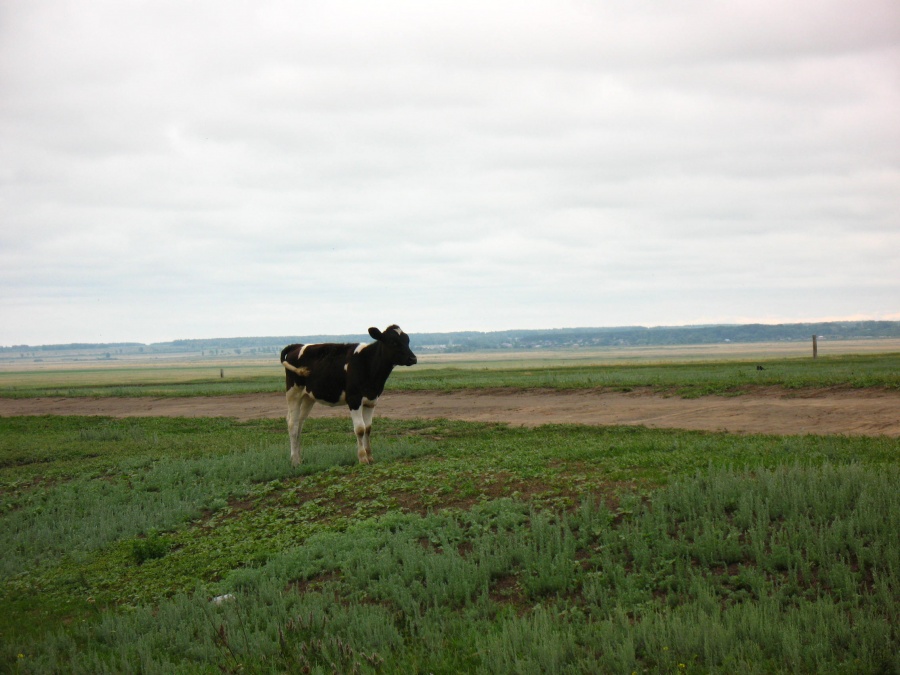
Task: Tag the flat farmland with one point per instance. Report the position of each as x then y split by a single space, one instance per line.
648 514
834 394
683 370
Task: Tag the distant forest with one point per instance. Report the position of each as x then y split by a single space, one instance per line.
507 340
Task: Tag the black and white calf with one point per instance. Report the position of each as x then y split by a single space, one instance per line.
337 374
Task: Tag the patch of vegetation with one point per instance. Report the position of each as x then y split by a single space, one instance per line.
192 546
149 547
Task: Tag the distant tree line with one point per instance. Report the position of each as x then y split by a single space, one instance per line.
75 346
639 336
558 338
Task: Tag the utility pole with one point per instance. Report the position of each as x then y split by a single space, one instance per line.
815 348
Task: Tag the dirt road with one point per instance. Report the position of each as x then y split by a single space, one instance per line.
775 411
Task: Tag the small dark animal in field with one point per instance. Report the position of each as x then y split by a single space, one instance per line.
760 368
338 374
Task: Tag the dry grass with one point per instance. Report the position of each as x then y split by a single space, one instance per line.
659 354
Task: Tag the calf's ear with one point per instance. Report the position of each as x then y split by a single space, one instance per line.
375 333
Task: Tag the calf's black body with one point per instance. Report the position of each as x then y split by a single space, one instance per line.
336 374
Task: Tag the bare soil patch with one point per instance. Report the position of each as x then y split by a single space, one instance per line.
769 411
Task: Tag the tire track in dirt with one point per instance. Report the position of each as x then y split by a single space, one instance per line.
770 411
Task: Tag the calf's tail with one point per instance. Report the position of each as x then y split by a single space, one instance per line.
287 350
298 370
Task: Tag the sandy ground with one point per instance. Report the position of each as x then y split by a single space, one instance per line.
770 411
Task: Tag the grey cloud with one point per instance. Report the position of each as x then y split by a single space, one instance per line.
557 163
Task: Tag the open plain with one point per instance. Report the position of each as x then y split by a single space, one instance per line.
535 515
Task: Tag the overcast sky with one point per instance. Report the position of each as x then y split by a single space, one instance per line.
220 169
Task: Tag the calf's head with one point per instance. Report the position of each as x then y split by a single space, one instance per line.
396 342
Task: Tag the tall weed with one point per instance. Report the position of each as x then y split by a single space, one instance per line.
785 569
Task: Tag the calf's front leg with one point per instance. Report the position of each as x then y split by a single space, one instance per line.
368 411
363 447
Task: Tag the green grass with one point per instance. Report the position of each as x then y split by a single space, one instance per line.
685 379
695 378
465 548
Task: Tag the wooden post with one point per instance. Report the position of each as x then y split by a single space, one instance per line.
222 372
815 348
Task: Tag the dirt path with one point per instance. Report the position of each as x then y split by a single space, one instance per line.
861 412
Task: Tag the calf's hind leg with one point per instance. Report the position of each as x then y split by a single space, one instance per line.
298 410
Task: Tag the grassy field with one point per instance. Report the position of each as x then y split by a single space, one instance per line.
685 378
160 545
191 546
